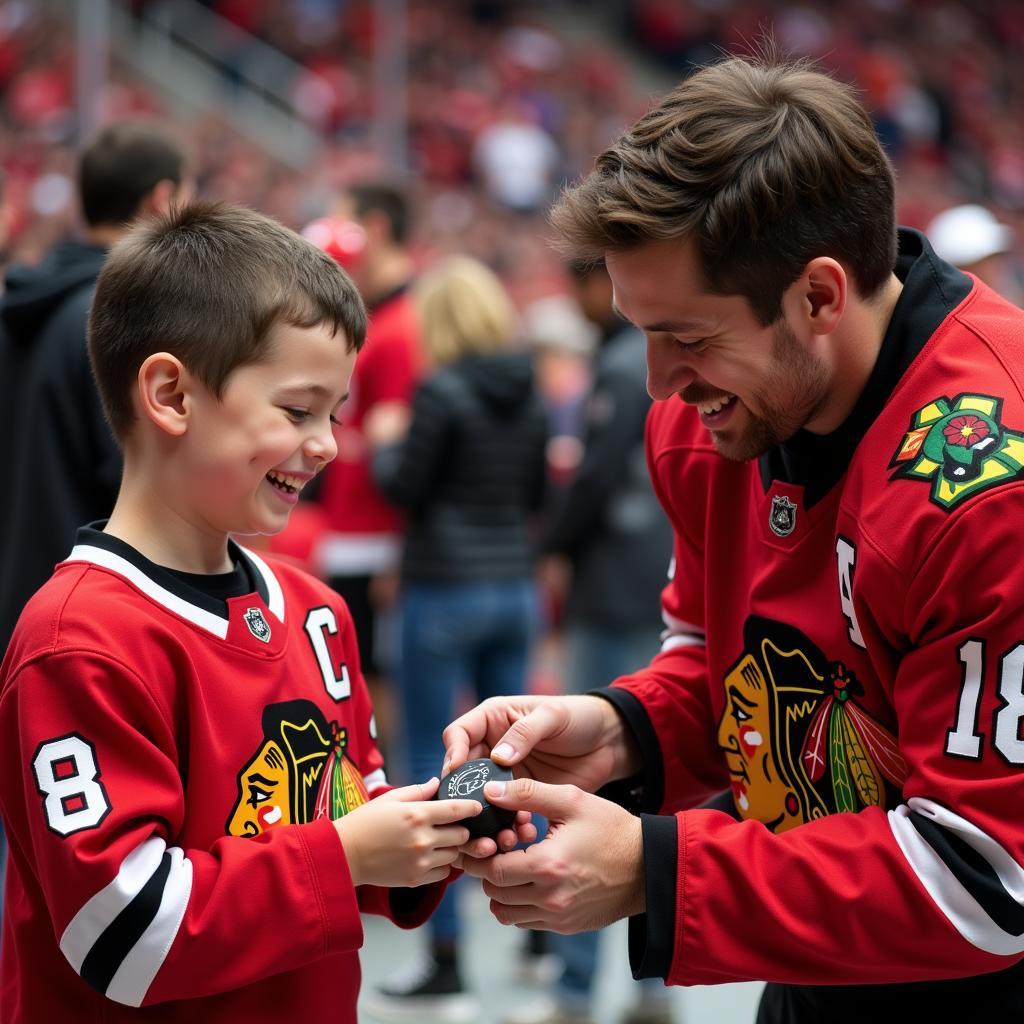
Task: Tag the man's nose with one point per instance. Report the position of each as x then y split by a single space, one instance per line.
669 368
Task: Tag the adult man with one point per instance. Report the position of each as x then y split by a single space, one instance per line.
838 444
361 549
63 467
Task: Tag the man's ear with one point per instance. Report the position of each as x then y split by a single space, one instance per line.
164 398
822 293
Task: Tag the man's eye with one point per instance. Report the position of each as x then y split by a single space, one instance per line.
694 345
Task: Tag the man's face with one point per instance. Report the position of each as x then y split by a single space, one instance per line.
754 386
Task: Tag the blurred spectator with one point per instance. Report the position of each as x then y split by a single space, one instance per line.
62 461
517 160
971 238
361 547
610 545
469 469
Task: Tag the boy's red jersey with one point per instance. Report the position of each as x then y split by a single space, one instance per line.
171 764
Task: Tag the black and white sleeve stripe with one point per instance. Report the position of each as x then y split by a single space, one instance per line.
119 939
976 883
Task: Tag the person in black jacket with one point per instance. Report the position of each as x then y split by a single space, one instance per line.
63 467
470 473
611 541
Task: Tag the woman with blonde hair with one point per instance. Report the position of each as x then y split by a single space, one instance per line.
469 470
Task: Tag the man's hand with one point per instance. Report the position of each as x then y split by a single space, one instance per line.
587 872
404 838
578 739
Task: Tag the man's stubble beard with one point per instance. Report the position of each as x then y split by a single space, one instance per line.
794 390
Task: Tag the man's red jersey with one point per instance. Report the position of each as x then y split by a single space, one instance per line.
171 763
845 655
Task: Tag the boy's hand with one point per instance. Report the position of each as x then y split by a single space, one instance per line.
404 838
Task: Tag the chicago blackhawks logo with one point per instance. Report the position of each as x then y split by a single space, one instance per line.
961 447
797 743
298 774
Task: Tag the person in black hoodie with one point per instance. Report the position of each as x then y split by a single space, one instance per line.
63 467
470 472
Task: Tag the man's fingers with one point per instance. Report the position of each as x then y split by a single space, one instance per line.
523 895
545 720
556 803
509 869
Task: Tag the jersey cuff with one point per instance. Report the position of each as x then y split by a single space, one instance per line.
652 934
646 790
331 884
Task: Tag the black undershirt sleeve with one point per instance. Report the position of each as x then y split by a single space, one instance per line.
652 934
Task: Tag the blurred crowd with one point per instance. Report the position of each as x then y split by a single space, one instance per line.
502 107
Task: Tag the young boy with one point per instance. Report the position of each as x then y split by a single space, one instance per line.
185 735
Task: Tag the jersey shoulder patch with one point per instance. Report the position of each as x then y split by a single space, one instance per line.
959 446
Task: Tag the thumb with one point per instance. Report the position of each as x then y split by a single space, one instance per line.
417 791
554 802
544 721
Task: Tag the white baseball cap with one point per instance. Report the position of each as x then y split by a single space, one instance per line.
965 234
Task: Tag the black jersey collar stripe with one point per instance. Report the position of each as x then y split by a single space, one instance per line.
981 893
166 596
267 584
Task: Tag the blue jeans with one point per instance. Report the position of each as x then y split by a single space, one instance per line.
595 656
472 635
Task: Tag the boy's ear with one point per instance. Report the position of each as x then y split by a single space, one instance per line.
164 385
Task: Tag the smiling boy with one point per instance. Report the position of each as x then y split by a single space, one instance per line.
185 735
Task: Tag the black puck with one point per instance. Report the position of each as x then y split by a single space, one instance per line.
467 783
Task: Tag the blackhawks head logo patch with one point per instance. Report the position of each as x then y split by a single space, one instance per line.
961 447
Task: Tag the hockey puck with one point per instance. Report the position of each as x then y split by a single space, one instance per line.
467 783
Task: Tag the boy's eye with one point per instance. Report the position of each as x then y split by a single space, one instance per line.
335 422
297 414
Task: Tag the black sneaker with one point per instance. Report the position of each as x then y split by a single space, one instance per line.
425 990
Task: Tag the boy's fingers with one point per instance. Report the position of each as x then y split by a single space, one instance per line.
417 791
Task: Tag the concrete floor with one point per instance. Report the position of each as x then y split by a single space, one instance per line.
490 953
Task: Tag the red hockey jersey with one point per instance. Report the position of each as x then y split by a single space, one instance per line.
846 655
171 764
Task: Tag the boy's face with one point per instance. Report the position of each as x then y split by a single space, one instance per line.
251 452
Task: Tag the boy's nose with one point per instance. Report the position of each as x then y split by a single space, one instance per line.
322 446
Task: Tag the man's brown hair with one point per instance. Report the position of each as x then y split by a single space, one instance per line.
764 164
208 283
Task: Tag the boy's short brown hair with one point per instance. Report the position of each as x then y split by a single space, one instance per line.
208 283
764 164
